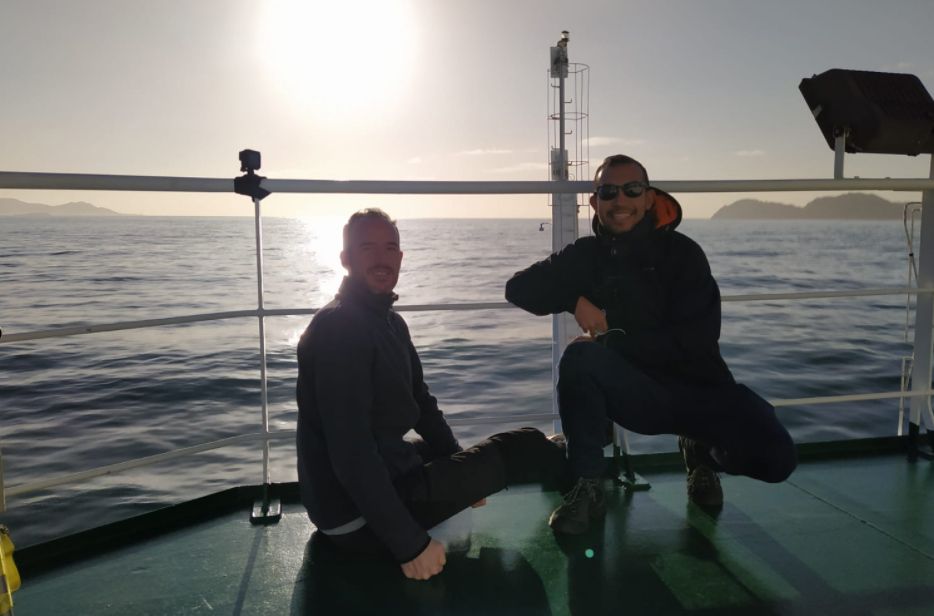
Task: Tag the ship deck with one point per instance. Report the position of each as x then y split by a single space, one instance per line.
845 535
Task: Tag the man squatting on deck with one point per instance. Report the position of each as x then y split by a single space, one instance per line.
644 295
360 390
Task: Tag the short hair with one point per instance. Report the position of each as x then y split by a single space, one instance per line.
370 213
615 161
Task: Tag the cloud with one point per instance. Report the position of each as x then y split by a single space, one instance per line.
749 153
521 167
596 142
483 152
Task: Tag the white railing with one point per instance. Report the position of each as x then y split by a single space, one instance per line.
66 181
148 183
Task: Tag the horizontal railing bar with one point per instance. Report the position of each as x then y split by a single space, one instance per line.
88 181
454 307
73 478
549 187
752 297
780 402
286 312
82 181
63 332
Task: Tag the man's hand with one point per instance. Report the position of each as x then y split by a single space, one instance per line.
430 562
590 318
479 503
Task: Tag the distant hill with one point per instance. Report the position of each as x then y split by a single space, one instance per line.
753 209
15 207
851 206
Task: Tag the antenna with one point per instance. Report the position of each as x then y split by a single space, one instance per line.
569 129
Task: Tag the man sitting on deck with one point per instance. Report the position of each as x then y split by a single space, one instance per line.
644 295
360 390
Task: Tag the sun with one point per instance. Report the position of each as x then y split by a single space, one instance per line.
335 59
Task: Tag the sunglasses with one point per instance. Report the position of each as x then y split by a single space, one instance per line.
608 192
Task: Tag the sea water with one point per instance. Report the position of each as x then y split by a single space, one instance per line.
84 401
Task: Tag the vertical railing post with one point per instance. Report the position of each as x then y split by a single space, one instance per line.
924 323
267 510
258 223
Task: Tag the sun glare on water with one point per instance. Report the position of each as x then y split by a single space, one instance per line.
336 59
318 262
323 244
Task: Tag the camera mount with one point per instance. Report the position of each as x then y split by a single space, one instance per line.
249 183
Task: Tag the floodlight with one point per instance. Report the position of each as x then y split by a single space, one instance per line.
878 113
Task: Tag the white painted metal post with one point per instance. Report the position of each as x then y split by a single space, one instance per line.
267 510
262 336
563 326
839 154
924 319
563 215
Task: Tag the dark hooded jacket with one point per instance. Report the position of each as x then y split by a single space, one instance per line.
360 390
662 304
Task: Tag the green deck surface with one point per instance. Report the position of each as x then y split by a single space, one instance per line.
849 536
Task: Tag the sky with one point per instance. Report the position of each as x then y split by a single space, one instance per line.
432 90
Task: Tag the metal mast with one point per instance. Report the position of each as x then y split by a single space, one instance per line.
564 205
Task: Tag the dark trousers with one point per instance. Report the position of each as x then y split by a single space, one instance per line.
447 485
596 384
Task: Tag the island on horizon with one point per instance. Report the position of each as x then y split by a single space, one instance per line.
15 207
850 206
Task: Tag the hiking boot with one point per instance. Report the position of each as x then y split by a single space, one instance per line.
585 502
703 482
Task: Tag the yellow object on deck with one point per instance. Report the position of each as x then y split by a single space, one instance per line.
9 576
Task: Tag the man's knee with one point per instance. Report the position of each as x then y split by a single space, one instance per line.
773 460
572 356
767 440
576 359
781 459
529 456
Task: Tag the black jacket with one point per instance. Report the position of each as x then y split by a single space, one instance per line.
360 390
653 283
